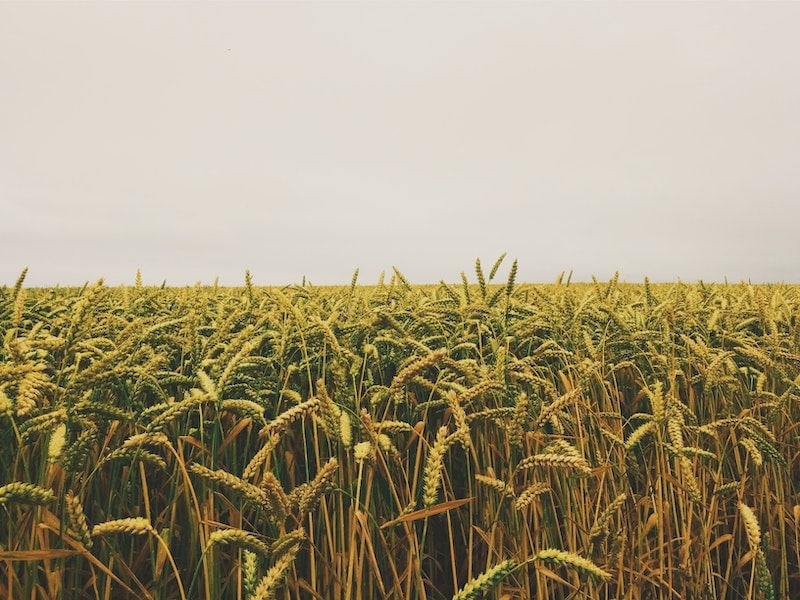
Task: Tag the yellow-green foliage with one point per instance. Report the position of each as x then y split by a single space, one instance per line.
397 441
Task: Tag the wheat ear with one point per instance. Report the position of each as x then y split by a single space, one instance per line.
26 493
133 525
486 581
572 561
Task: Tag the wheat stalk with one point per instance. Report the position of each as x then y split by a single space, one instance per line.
132 525
260 459
364 451
238 537
751 526
550 459
572 561
496 484
282 421
433 468
277 498
249 572
486 581
321 483
415 368
600 527
269 584
530 494
248 491
26 493
58 439
77 520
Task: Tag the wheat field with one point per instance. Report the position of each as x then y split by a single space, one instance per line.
482 440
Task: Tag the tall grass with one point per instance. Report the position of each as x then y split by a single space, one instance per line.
398 441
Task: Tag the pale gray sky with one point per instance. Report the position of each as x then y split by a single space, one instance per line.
195 140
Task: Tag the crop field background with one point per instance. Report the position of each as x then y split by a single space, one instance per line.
487 439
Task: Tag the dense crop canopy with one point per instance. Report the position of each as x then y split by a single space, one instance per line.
400 441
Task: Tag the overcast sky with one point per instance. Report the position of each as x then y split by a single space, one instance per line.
196 140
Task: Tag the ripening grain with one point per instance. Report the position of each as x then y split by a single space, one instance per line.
496 440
